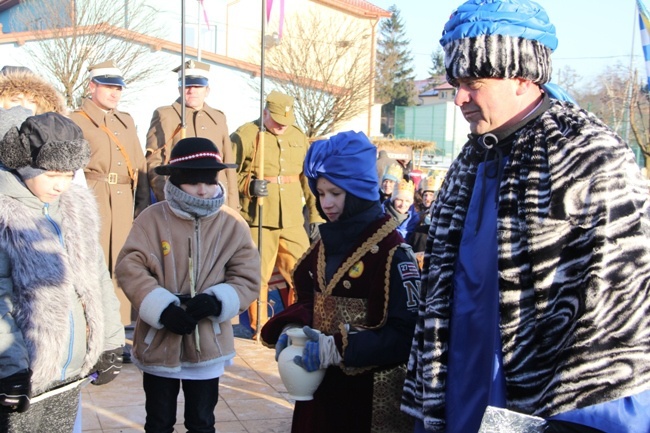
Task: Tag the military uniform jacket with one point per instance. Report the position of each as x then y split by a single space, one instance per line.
107 174
283 156
164 133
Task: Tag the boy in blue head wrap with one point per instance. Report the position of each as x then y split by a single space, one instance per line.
357 285
526 238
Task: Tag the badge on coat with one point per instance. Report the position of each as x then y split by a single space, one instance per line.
166 248
356 270
408 270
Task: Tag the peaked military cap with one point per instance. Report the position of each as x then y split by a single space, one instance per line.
106 73
196 73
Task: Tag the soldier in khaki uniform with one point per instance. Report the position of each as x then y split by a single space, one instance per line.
285 188
117 169
201 121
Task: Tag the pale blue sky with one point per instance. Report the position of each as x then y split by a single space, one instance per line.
592 33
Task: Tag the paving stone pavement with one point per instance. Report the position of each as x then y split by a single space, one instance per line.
252 398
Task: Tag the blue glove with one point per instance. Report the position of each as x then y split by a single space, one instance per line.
282 343
320 351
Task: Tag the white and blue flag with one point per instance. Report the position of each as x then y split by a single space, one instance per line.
644 26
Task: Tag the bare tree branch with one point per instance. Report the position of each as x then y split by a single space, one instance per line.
83 33
326 65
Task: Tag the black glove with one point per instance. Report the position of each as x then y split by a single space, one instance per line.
16 391
177 320
202 306
108 366
314 232
258 188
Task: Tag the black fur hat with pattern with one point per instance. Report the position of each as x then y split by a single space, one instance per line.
47 142
499 39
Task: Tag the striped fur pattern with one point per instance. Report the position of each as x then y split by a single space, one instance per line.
497 56
574 270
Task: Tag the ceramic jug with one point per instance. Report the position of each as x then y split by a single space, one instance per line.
300 383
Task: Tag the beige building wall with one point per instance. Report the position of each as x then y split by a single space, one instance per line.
323 28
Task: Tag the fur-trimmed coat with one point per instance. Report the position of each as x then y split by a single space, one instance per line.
573 229
58 310
153 268
31 86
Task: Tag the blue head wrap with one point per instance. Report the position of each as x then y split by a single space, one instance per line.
348 160
499 39
517 18
557 92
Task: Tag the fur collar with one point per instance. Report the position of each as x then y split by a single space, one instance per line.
576 194
48 276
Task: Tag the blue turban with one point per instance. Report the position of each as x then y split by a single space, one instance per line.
348 160
499 39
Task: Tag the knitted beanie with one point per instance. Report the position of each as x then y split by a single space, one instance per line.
47 142
499 39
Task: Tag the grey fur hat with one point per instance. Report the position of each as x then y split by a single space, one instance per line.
47 142
499 39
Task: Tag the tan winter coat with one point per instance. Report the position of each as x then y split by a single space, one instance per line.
164 133
154 266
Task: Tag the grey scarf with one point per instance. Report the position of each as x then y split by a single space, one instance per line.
189 206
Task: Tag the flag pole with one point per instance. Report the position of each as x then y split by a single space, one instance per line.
262 300
183 127
628 100
198 30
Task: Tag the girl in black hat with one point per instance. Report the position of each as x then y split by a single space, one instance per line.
188 267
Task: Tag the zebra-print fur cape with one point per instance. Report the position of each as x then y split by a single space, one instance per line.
573 230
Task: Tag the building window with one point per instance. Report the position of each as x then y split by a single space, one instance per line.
208 37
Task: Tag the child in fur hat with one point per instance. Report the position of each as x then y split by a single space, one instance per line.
59 318
189 266
23 94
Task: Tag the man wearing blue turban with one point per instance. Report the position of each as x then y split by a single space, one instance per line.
357 285
536 279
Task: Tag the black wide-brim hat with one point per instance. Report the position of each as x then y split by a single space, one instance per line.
194 153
